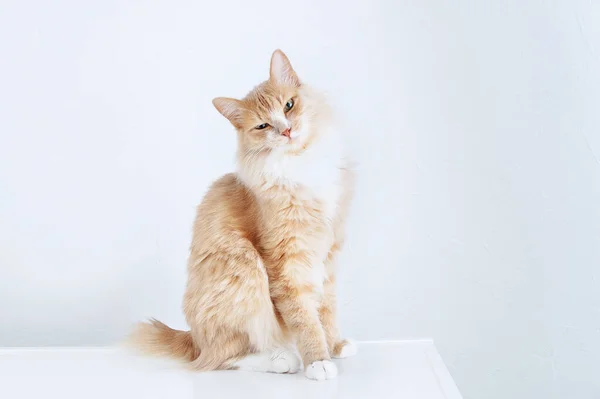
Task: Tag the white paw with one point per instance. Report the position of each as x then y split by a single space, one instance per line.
284 361
349 349
321 370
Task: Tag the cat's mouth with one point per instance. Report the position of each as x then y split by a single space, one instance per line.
292 138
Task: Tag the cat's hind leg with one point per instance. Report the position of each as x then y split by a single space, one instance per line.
232 317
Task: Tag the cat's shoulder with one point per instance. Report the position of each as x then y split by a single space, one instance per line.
227 181
229 188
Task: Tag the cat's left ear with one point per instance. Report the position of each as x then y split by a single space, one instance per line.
282 71
230 108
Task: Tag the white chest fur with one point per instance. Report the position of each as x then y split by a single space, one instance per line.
313 174
316 170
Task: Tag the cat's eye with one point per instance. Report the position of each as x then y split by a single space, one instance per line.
263 126
289 105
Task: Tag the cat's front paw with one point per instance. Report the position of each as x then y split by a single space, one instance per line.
321 370
285 361
344 348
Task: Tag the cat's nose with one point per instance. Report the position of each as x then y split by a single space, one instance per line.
286 132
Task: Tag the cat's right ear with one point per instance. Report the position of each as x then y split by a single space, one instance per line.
230 108
281 71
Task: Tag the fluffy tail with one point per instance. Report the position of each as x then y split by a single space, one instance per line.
156 338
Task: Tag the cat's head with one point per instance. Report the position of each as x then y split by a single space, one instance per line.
279 115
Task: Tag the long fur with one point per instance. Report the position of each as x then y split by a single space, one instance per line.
156 338
261 269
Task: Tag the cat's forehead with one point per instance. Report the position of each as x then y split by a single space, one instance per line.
267 96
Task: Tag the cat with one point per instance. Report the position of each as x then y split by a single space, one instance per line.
261 270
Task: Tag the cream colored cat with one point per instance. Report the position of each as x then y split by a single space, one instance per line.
262 259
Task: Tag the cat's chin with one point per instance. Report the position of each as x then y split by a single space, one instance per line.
294 147
300 142
290 145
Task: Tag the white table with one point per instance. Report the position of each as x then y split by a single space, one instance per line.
404 370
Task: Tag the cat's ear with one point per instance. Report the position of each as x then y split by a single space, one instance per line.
282 71
230 108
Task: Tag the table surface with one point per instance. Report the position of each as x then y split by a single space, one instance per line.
402 369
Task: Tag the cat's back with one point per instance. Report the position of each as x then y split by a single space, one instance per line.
228 212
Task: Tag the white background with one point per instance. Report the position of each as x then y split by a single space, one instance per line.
476 126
